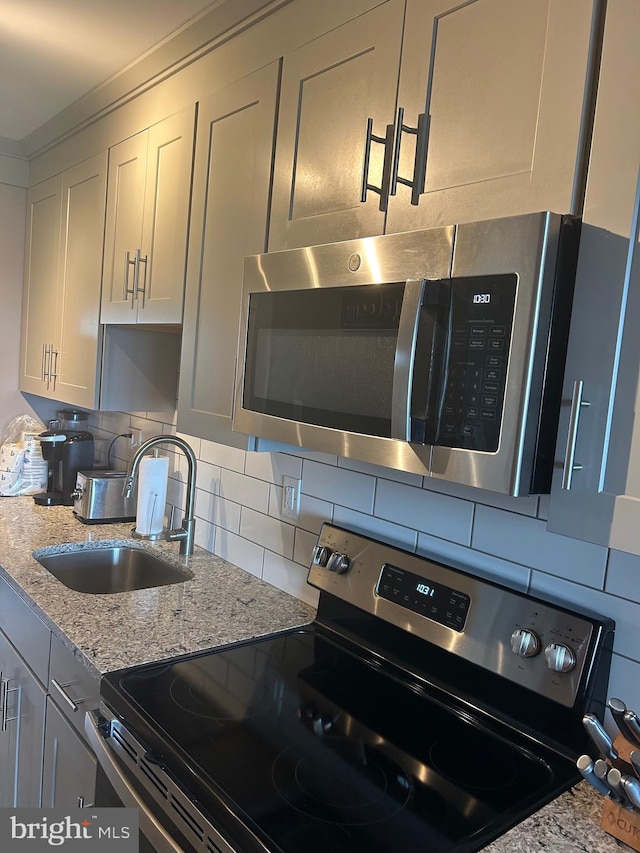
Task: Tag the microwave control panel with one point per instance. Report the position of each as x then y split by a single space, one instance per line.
481 321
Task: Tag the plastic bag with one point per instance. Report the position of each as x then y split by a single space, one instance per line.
23 470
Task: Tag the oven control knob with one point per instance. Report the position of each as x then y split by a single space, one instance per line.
320 555
525 643
338 563
560 658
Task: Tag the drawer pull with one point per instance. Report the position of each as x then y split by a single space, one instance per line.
67 699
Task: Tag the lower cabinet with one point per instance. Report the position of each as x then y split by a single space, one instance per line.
22 709
69 770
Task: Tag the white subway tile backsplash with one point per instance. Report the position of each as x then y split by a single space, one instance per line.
313 512
205 535
267 531
424 511
393 534
288 576
208 477
303 548
474 562
222 513
624 683
226 457
247 555
527 541
524 505
347 488
623 575
246 491
272 467
379 471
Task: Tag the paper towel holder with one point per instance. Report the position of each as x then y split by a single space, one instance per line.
185 534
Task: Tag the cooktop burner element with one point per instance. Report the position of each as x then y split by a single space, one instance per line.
377 728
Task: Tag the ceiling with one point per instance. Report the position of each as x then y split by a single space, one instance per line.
53 52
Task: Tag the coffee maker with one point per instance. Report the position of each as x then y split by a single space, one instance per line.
66 451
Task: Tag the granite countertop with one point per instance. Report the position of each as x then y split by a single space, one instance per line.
220 604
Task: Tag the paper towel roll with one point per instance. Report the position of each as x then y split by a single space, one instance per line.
152 494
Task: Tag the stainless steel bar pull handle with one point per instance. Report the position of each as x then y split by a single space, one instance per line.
416 183
570 465
4 703
143 289
126 290
387 141
63 694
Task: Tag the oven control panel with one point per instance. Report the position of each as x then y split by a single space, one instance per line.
540 645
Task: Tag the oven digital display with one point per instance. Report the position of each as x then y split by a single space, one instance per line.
442 604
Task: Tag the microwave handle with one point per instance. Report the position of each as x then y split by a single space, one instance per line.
405 357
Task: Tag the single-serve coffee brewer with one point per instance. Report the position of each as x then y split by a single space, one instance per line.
66 449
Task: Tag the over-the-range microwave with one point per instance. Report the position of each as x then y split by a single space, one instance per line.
439 352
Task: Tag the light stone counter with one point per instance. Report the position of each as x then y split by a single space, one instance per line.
220 604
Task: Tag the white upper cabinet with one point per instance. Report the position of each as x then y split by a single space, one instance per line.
596 491
61 340
147 221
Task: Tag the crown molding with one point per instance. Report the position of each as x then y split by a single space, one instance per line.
197 38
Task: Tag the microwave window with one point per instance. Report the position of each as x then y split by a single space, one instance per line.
324 356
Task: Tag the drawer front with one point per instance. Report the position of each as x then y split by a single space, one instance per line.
72 686
26 631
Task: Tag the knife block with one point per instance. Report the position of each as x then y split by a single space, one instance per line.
617 821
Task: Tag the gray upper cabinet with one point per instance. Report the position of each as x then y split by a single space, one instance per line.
146 225
491 118
596 491
232 183
61 341
504 87
331 88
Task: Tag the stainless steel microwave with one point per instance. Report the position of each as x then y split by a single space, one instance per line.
439 352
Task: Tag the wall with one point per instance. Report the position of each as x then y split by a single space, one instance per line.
237 505
13 174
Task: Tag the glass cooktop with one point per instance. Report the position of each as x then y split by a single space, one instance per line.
316 748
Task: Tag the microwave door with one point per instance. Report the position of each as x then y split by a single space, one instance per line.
421 358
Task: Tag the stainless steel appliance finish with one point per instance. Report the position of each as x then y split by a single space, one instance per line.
98 497
424 709
446 362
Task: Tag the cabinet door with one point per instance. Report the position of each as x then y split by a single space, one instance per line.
79 338
166 217
123 228
69 775
41 286
232 180
330 87
22 704
599 501
506 87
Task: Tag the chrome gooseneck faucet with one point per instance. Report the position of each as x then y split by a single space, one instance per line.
185 534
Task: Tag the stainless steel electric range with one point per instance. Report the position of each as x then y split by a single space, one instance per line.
424 709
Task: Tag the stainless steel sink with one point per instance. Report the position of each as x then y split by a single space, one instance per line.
102 571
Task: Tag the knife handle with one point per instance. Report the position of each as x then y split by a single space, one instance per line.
634 758
599 737
585 766
633 724
631 787
614 780
618 712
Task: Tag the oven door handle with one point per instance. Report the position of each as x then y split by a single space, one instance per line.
150 826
